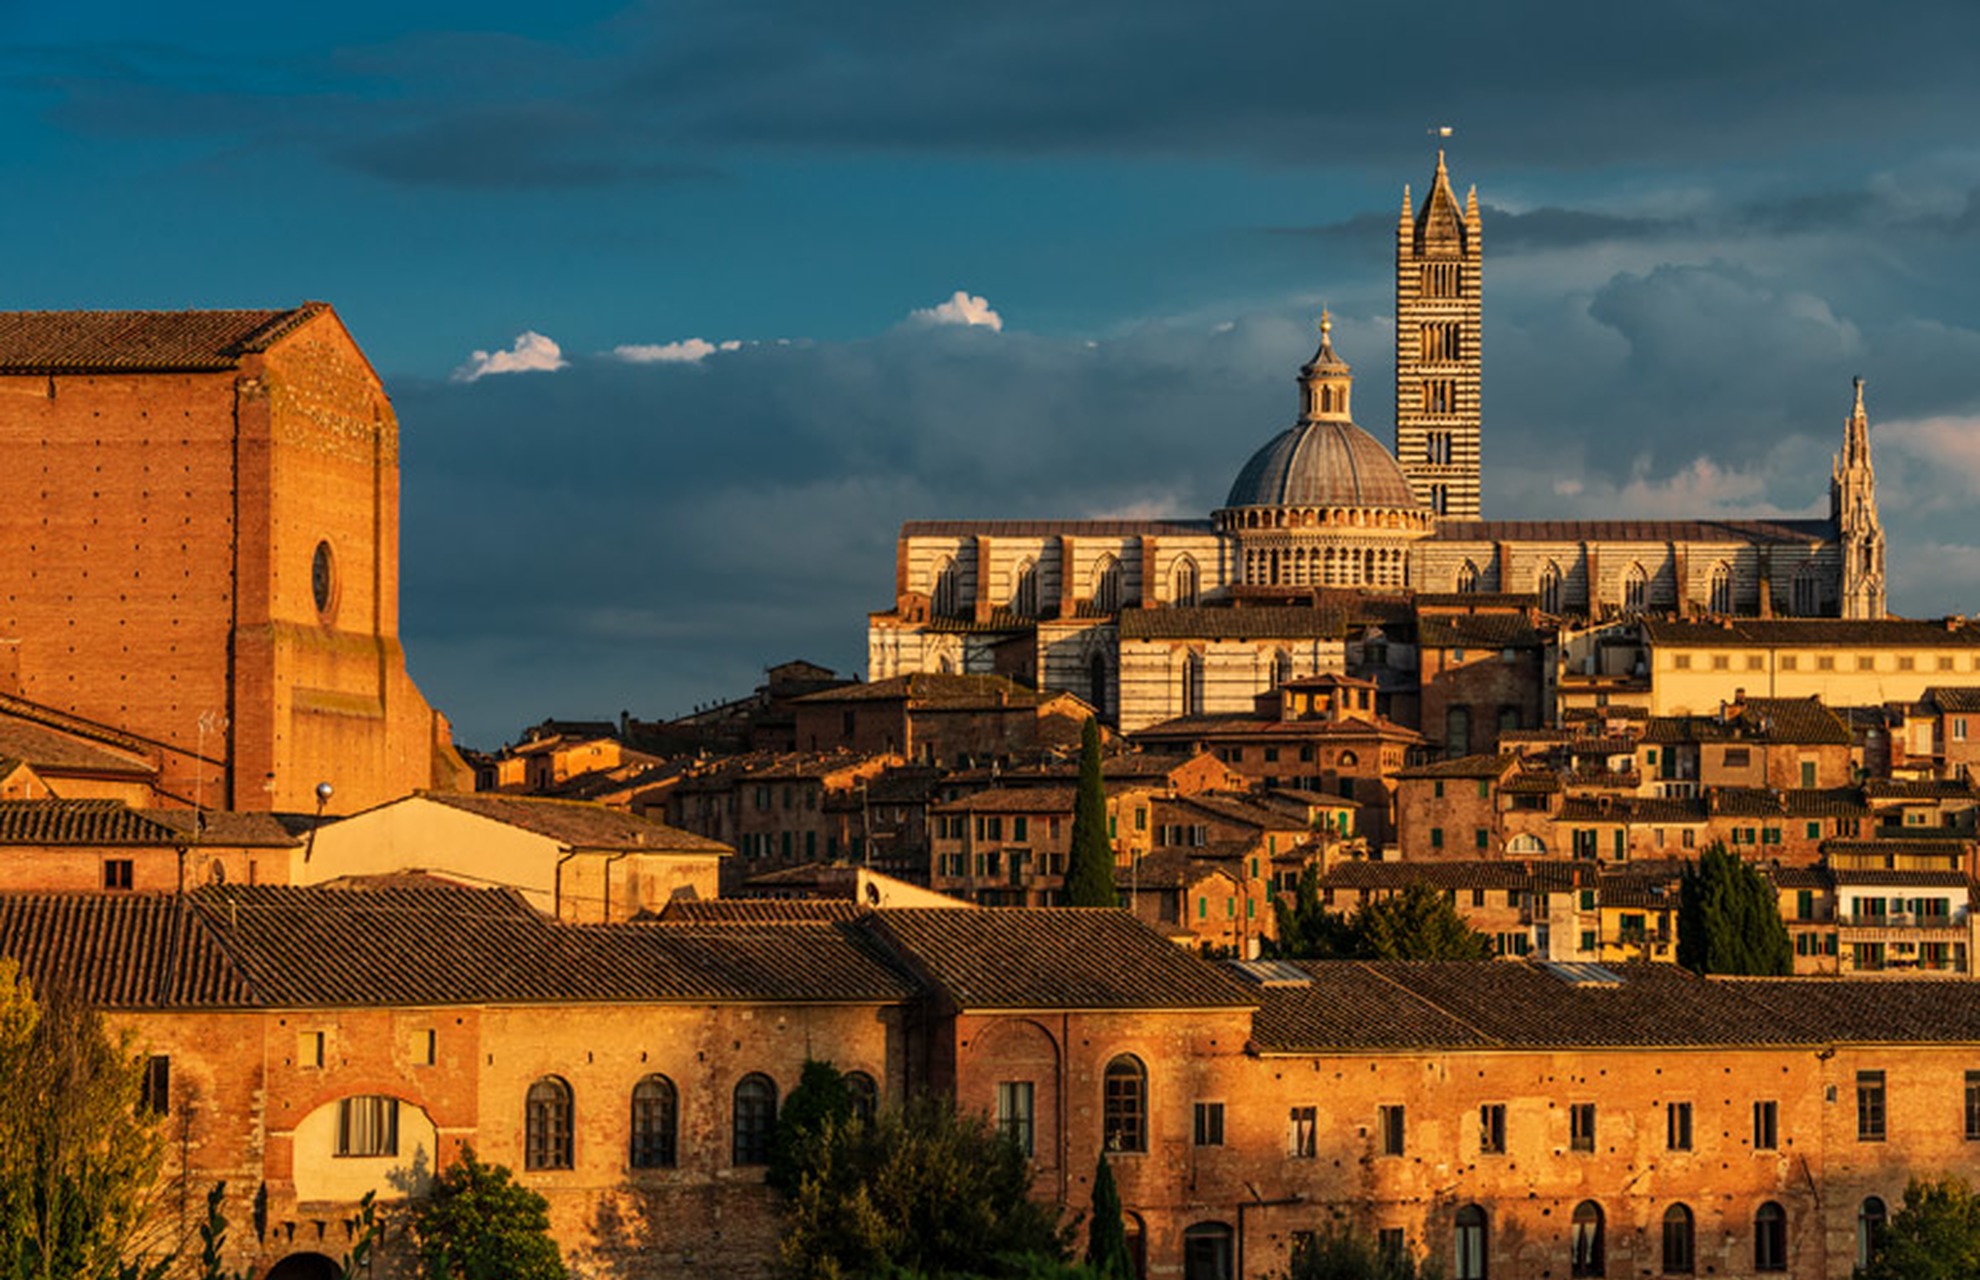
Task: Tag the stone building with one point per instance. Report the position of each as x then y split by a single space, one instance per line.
1500 1118
200 516
1148 620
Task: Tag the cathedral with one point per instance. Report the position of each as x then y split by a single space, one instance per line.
1324 526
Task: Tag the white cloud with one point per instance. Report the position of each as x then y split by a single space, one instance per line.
686 351
532 353
1949 446
963 308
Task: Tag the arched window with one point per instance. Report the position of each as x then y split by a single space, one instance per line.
1586 1255
547 1125
1722 588
1680 1242
1282 671
1185 583
1192 684
1636 589
1470 1241
1124 1105
865 1095
1526 842
655 1123
1770 1238
1550 588
1024 589
1871 1216
1440 498
755 1118
1107 584
1468 577
946 598
1807 591
1207 1252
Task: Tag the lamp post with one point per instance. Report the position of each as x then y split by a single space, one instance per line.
323 793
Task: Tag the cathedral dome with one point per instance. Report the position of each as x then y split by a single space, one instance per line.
1322 464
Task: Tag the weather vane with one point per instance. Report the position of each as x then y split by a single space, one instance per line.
1440 131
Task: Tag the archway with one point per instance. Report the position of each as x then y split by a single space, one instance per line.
305 1266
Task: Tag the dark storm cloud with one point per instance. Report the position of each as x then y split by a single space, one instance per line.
1534 83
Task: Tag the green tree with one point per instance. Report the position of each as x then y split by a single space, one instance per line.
1418 923
1729 920
1338 1253
1106 1231
1090 864
478 1224
921 1190
821 1098
79 1153
1934 1236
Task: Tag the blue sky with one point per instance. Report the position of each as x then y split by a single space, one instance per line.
710 254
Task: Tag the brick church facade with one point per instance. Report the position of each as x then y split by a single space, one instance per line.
200 517
1138 617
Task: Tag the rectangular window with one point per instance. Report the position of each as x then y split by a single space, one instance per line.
1766 1125
1825 662
1677 1127
1492 1129
1303 1133
1436 837
1481 839
1581 1126
155 1091
368 1126
1973 1106
1959 729
425 1047
1390 1121
116 873
1787 662
1271 755
1014 1112
1738 757
1209 1124
1020 829
309 1049
1681 662
1869 1106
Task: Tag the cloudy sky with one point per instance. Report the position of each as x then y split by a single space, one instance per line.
686 305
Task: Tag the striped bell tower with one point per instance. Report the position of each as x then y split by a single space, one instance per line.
1437 348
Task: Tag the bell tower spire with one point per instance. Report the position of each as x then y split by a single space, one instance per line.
1438 425
1853 506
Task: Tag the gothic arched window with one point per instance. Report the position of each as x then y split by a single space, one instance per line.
1550 588
1871 1216
755 1118
1282 668
1721 599
1184 582
1636 589
1192 684
865 1095
946 598
1107 584
1467 579
547 1125
1124 1105
1807 591
1024 589
655 1123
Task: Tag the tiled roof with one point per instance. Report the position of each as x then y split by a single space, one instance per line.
1908 879
933 689
1239 809
1238 724
1476 631
1676 810
1898 847
86 341
1469 601
120 950
51 749
1734 531
1264 622
1176 868
1044 800
1810 633
1802 721
578 824
1756 802
1962 700
1054 958
1468 874
223 827
757 910
1869 1012
1053 528
1480 766
1918 789
1352 1006
91 822
775 766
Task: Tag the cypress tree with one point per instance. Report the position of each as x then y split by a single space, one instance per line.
1729 920
1090 865
1106 1237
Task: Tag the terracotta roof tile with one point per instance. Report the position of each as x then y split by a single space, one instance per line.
1962 700
87 341
757 910
120 950
1053 528
578 823
933 689
1054 958
1479 766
